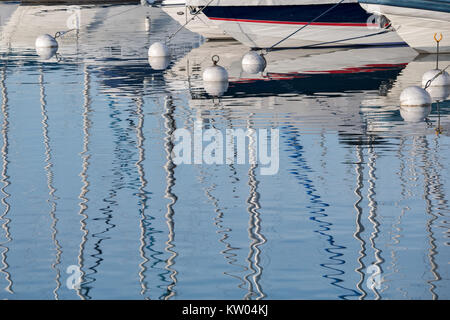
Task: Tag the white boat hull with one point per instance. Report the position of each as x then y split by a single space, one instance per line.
294 24
265 35
416 26
200 24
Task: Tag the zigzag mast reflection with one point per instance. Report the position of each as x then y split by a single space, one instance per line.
228 253
6 183
254 226
359 225
52 197
317 208
432 185
169 124
373 213
142 193
85 156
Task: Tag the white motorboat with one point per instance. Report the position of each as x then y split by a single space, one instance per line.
264 23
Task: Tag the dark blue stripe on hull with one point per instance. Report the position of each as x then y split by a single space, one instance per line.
343 13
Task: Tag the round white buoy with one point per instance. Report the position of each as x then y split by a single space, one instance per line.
439 93
415 96
439 88
159 63
215 73
158 49
46 52
415 104
46 41
441 80
253 63
415 114
216 88
215 78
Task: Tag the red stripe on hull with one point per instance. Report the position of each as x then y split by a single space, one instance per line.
298 23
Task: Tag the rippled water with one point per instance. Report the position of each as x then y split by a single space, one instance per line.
88 181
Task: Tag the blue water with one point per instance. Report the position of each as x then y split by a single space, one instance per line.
88 180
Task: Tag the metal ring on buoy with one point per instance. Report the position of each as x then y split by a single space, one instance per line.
215 59
440 37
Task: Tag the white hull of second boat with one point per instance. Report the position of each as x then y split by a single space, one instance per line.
178 11
265 35
416 26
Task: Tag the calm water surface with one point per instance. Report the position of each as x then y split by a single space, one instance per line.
87 178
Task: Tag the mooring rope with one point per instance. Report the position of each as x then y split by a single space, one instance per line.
434 78
192 18
303 27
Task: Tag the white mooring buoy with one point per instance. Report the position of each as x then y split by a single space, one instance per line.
439 87
253 62
415 114
216 88
46 41
215 79
415 104
414 96
158 49
46 46
159 63
46 53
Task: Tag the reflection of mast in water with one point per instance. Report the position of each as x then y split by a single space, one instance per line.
110 200
228 253
318 214
373 213
224 231
397 229
254 230
84 175
142 193
52 197
359 225
169 123
6 183
432 186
